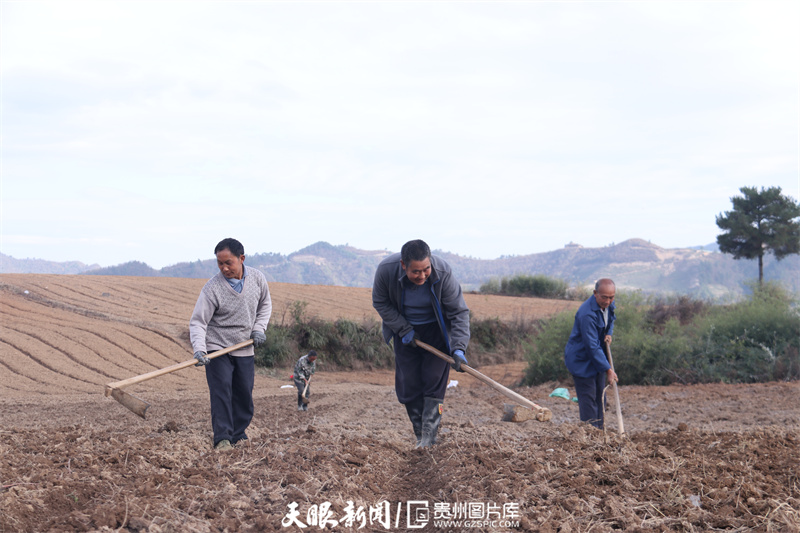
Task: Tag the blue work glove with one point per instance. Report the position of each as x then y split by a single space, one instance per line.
258 337
459 359
408 339
202 360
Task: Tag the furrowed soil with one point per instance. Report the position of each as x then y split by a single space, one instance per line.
694 458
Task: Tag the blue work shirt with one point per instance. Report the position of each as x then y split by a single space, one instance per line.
417 306
584 355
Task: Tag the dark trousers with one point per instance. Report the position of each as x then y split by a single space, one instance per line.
230 385
590 398
301 386
418 373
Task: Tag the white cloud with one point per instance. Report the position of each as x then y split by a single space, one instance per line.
493 128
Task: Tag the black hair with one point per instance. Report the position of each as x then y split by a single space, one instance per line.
312 353
232 245
416 250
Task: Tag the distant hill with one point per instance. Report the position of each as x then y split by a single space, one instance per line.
318 264
131 268
633 264
9 265
638 264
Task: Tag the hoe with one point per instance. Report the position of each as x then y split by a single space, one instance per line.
140 406
526 410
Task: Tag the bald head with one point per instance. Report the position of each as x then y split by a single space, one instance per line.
604 281
604 292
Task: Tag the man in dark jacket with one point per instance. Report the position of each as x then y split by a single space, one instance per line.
584 354
418 297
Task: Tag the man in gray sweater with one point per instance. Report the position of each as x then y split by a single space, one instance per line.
417 296
233 306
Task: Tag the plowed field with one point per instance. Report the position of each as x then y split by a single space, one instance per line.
701 458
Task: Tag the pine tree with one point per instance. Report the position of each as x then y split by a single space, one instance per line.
760 222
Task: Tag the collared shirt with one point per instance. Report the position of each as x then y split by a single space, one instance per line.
237 284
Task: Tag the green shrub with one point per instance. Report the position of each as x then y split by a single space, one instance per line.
545 352
494 341
347 344
491 287
679 340
279 349
754 340
343 344
527 285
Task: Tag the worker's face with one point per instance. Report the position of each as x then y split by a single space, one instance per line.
231 266
418 272
605 295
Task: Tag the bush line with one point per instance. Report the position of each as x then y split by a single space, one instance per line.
660 341
657 341
358 345
538 285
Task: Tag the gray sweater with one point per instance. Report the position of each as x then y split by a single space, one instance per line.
222 317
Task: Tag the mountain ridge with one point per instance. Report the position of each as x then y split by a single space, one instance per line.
635 264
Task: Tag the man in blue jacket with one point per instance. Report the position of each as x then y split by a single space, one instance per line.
417 297
584 355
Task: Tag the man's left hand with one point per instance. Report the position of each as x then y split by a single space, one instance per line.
258 337
458 360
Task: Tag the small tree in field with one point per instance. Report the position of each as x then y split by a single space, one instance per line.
760 222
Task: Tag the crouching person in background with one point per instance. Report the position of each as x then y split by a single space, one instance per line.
304 368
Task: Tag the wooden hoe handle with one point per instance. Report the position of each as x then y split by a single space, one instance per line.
616 391
173 368
522 400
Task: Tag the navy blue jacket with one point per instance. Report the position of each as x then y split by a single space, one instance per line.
584 355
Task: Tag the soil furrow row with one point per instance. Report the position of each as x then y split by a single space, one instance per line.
14 381
63 348
19 360
102 351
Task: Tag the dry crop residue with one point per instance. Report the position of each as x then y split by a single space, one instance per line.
697 458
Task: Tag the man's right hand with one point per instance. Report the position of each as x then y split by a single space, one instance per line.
408 339
611 376
202 360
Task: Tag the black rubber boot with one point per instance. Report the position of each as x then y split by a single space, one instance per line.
431 418
300 402
414 410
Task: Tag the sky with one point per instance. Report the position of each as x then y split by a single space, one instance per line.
149 131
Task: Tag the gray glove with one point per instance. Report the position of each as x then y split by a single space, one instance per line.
202 360
258 338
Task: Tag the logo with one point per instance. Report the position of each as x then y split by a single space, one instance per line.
405 516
